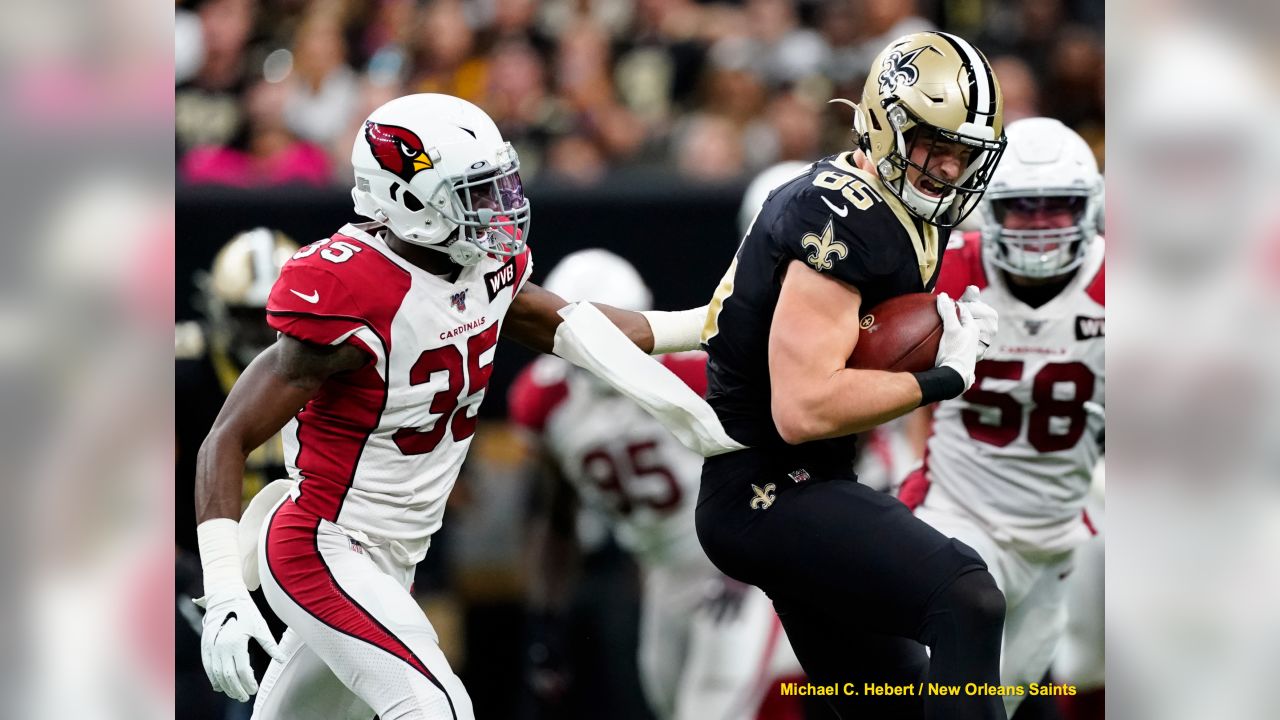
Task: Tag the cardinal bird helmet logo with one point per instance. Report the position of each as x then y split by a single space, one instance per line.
398 150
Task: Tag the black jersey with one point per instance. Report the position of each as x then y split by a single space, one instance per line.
838 220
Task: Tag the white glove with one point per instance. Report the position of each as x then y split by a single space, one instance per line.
984 315
230 619
959 347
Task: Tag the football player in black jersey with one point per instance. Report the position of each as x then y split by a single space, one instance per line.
860 584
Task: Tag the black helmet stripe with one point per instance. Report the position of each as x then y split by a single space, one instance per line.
982 86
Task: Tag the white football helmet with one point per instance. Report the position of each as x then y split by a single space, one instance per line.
435 170
234 291
599 276
763 184
1047 164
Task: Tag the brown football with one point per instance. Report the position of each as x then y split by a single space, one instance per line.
900 334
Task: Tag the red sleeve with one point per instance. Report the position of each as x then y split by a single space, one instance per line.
532 398
691 367
962 266
309 303
1098 287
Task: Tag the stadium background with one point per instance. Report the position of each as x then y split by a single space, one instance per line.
638 126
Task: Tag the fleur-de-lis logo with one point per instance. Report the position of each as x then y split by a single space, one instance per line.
763 496
899 70
823 247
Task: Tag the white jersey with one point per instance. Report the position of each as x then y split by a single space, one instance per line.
1017 450
377 451
618 458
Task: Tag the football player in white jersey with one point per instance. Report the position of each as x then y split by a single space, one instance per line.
387 332
1008 464
710 647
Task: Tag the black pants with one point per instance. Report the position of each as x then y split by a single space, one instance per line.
860 584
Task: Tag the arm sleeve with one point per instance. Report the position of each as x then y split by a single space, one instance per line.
310 304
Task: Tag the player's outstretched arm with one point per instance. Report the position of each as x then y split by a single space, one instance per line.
534 317
272 389
814 396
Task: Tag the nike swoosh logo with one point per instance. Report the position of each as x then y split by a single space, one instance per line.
313 298
230 616
842 211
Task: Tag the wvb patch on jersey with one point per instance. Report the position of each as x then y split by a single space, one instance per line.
1088 328
503 277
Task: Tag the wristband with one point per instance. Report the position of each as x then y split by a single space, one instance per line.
220 554
940 383
676 331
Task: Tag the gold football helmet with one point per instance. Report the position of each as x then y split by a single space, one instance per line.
234 292
925 90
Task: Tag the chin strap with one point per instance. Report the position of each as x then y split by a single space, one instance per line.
461 251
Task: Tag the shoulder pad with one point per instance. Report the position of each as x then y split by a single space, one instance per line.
328 290
961 265
1097 290
690 367
537 391
857 247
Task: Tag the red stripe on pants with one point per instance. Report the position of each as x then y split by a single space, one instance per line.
293 557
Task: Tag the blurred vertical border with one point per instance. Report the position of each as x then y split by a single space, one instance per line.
85 373
1193 596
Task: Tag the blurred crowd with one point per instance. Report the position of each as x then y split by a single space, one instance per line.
272 91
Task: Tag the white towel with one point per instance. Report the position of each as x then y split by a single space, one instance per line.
589 340
251 522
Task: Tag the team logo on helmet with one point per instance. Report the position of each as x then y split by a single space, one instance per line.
398 150
899 70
